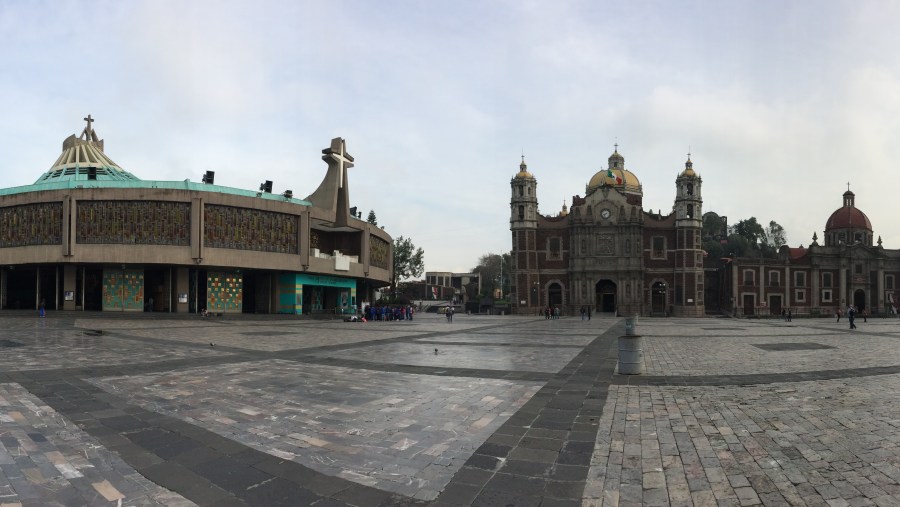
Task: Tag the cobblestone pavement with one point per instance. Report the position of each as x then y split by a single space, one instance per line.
99 409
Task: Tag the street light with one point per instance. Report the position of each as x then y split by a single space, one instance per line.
501 276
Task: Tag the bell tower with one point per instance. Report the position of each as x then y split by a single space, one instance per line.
688 200
523 205
523 222
689 283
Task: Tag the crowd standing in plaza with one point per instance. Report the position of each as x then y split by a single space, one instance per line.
389 313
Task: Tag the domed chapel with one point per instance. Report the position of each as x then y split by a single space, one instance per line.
606 252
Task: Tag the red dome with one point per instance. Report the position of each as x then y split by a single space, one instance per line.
848 217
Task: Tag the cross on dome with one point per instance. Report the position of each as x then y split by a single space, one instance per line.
88 132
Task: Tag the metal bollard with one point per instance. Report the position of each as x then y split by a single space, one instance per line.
630 325
631 355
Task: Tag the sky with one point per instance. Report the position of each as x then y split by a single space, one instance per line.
780 104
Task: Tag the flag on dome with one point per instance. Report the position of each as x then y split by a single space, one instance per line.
609 174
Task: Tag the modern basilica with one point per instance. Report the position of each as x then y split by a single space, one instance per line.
89 235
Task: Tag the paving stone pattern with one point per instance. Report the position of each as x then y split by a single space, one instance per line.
100 409
399 432
47 460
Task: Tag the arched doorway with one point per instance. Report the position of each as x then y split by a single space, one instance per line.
859 300
658 298
606 296
554 295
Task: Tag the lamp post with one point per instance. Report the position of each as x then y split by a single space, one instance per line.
501 276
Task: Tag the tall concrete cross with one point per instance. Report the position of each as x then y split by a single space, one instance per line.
338 153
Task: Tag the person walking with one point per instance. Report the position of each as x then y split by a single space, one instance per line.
851 316
838 313
42 308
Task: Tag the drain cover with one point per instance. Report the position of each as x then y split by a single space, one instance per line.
787 347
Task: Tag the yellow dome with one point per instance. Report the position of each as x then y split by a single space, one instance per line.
620 178
688 168
523 170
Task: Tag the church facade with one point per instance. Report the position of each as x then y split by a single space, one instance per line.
850 267
607 253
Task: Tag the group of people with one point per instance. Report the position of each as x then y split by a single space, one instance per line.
852 313
388 313
551 312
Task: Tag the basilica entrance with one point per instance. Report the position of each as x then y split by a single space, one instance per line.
606 296
554 295
859 300
658 297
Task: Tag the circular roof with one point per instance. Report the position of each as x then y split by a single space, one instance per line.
614 178
523 170
82 158
848 216
688 168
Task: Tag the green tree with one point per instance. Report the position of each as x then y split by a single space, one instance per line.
775 235
494 271
715 227
409 261
751 230
371 218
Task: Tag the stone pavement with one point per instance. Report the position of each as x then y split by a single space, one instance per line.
100 409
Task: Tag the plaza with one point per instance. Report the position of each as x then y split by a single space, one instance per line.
177 410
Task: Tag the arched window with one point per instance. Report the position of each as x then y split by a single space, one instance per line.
690 189
521 212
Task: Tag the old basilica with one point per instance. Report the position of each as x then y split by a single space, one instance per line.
609 255
606 253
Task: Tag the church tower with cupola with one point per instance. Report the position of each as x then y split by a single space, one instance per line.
523 223
523 205
689 283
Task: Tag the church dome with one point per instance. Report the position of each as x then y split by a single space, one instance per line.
615 176
688 169
523 170
83 158
620 177
848 216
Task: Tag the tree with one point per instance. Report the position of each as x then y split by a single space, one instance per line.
751 230
494 271
409 261
714 227
775 235
371 218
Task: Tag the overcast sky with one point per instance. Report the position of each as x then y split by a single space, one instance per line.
781 104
